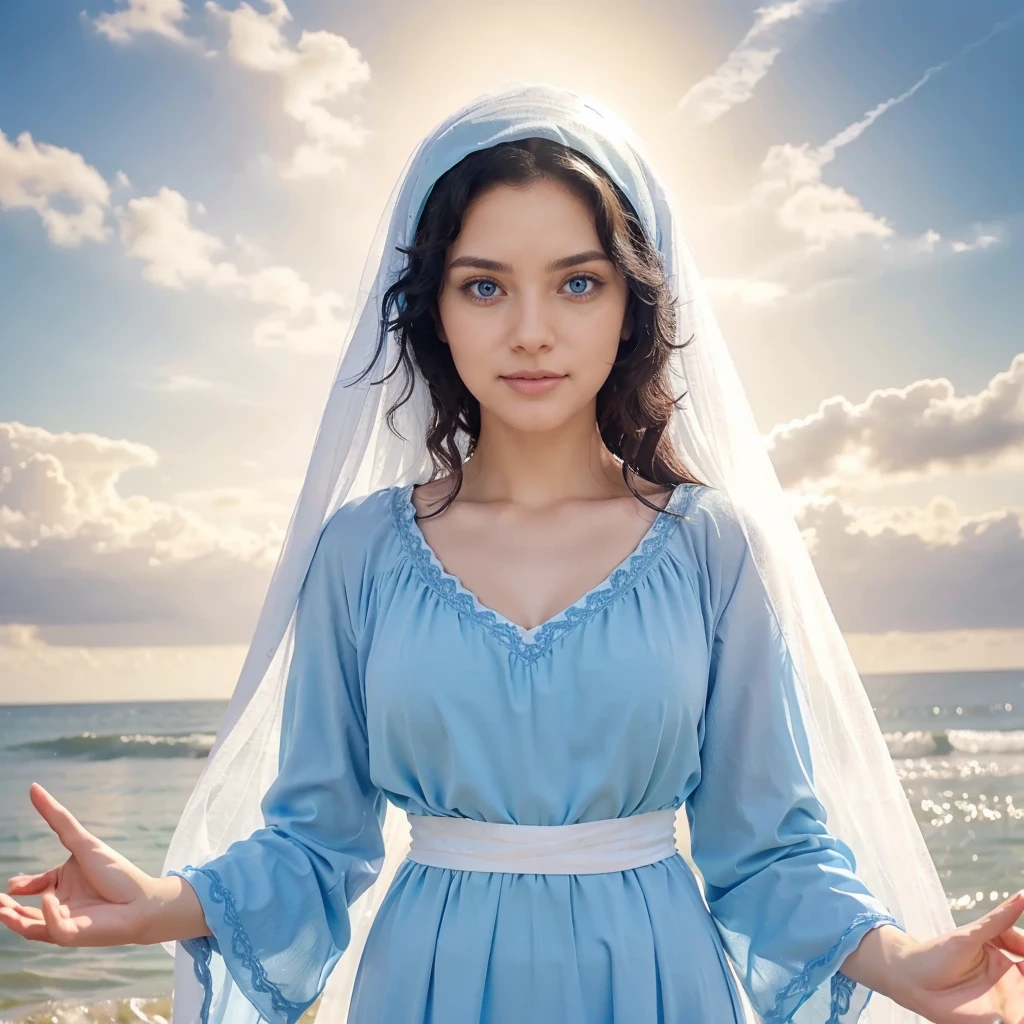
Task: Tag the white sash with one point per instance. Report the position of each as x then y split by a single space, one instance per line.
583 848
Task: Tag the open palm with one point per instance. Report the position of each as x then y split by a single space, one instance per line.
94 898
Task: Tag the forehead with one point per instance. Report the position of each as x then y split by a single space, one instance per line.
541 213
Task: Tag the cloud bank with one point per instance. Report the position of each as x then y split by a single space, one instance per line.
83 563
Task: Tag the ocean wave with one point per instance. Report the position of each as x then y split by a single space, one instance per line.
941 742
133 1008
91 746
68 1011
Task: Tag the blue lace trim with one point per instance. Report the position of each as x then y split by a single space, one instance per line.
240 946
531 644
841 986
201 953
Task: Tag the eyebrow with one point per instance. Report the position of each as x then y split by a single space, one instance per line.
479 263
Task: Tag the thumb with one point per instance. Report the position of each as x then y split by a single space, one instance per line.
70 832
997 921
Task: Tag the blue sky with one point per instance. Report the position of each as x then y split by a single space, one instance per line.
163 377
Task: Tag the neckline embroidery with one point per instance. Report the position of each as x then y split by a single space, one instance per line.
530 644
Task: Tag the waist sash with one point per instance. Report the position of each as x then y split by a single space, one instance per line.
583 848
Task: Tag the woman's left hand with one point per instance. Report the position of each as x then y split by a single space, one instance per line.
970 975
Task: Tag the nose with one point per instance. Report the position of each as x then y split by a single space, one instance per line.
532 330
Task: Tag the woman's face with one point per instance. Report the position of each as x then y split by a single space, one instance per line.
506 307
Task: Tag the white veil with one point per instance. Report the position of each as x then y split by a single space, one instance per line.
714 432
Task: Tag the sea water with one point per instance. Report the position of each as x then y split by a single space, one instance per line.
126 771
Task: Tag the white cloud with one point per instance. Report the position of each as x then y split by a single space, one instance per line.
18 636
918 569
143 17
819 217
791 186
791 181
280 286
731 84
158 230
319 69
734 80
825 214
83 563
981 242
929 240
35 176
904 433
932 242
318 328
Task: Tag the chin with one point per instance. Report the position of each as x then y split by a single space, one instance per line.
530 416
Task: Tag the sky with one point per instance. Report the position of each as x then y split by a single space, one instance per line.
188 192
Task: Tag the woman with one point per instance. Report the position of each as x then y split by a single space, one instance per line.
591 618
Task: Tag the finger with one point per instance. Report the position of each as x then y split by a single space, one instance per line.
1012 940
27 929
997 921
70 831
31 885
56 924
33 913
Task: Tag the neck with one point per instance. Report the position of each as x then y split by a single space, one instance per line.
539 468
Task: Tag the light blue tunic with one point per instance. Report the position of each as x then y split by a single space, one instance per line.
668 684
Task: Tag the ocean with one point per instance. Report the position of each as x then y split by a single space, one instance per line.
126 771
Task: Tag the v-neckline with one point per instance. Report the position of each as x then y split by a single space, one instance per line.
531 643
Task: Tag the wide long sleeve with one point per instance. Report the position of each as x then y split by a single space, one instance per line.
783 890
277 901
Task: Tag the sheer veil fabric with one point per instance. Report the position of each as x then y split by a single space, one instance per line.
714 431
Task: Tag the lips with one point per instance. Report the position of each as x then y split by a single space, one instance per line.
533 382
533 375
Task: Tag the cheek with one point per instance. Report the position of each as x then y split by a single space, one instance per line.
476 356
468 338
593 354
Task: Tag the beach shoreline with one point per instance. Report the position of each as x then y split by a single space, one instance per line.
126 1010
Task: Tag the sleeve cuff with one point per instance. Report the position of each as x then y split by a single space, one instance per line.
231 941
848 999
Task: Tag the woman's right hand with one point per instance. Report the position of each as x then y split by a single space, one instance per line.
95 898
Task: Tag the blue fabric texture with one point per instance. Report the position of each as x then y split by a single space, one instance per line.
667 685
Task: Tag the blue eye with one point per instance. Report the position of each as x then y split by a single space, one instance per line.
486 297
485 284
598 285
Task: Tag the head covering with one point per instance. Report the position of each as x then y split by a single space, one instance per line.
714 432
